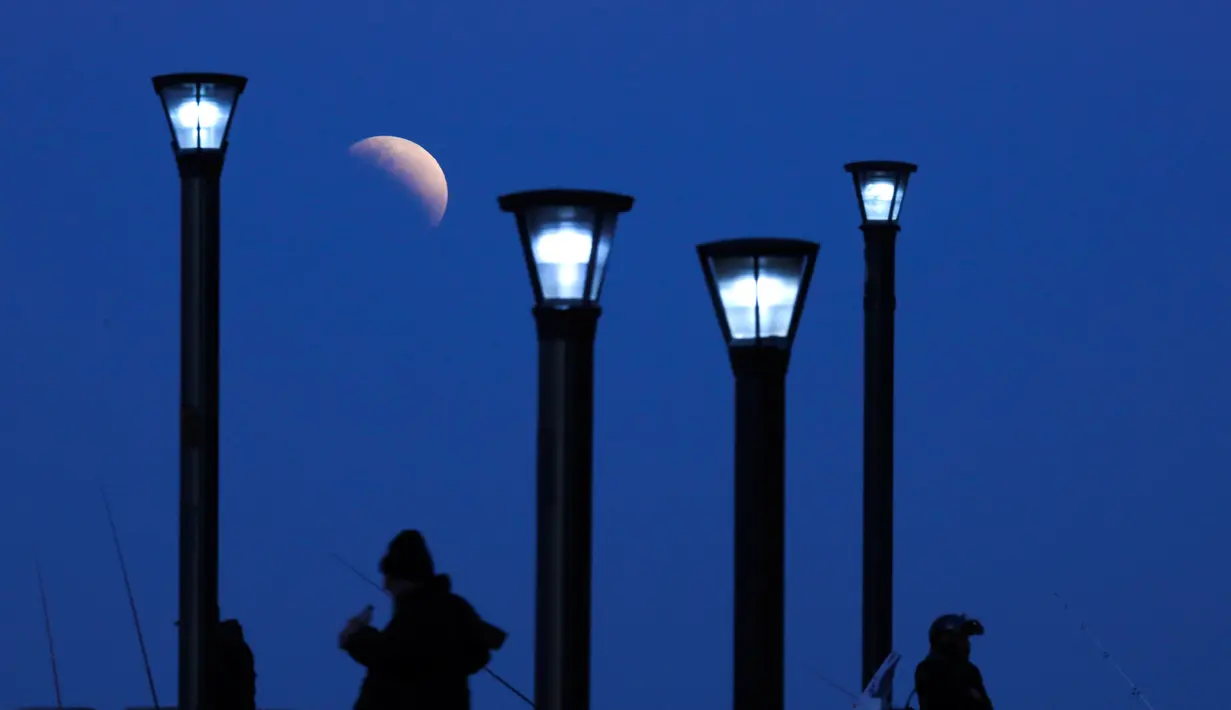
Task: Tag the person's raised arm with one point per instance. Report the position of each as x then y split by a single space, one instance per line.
400 645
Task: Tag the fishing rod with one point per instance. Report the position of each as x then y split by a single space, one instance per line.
384 591
132 603
51 644
1136 692
834 684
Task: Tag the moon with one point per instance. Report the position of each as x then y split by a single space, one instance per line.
410 165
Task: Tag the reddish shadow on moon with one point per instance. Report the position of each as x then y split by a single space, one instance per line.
412 166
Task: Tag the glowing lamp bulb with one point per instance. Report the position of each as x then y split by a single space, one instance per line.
198 115
765 291
562 253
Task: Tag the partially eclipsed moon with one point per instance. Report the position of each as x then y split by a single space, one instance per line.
412 166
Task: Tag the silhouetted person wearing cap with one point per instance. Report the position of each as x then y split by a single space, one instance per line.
435 641
946 679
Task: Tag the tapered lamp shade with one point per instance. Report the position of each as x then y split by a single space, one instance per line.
199 108
758 286
880 186
566 236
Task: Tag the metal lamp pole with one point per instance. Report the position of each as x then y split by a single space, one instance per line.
566 236
199 108
759 287
880 187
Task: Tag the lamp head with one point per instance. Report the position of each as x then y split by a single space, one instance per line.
758 286
199 108
566 236
880 186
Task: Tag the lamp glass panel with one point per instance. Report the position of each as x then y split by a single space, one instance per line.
758 294
882 192
562 241
199 114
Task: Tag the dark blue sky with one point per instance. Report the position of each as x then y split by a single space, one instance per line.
1062 337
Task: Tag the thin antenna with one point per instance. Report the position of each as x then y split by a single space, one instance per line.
132 602
51 643
384 591
1136 692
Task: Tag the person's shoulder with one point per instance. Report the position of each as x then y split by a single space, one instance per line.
933 667
459 601
441 602
458 607
441 592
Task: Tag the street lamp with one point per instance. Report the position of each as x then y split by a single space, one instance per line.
759 287
566 236
880 187
199 109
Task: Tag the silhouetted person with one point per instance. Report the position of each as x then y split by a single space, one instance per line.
434 642
236 669
946 679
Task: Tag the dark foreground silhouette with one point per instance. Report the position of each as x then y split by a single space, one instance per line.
236 687
946 679
434 642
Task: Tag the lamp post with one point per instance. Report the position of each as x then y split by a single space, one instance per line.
566 236
880 187
759 287
199 109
